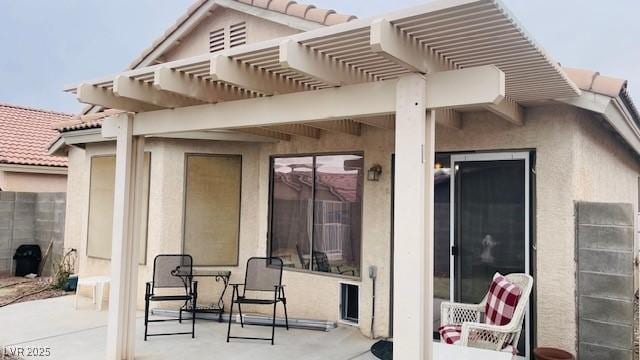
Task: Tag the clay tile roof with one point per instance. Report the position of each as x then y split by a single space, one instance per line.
590 80
319 15
25 134
86 121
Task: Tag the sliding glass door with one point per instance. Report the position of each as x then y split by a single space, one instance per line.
481 224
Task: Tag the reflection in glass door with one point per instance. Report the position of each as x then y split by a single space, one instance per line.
489 222
486 231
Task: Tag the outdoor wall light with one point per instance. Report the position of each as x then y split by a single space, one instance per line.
374 173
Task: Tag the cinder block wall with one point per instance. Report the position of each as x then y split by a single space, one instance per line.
30 218
605 280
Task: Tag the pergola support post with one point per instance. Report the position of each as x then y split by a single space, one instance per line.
413 227
124 252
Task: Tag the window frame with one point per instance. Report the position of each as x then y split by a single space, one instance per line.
146 234
313 155
184 205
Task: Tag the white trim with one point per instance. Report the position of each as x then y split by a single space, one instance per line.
37 169
82 136
497 156
55 146
613 111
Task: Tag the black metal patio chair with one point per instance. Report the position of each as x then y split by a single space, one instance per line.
172 272
263 275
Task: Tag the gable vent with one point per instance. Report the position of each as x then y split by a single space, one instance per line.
238 34
216 40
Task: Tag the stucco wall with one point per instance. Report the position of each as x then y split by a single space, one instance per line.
553 133
320 301
576 159
32 182
165 204
197 42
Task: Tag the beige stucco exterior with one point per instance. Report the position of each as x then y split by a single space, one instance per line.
577 158
32 182
197 42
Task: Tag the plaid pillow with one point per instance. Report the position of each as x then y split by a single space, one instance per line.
502 301
450 334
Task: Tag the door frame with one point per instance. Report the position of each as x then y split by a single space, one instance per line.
494 156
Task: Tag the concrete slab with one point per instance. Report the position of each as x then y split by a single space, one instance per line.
81 334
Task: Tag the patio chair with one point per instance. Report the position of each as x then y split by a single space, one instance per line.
172 272
320 262
487 325
263 275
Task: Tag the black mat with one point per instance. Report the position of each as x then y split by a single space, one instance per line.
383 349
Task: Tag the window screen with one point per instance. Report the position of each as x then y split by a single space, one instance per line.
102 187
212 209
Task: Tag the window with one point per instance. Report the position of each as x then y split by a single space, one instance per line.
101 192
212 209
349 303
316 212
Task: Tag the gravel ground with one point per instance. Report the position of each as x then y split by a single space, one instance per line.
12 288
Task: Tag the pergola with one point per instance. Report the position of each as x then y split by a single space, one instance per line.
406 70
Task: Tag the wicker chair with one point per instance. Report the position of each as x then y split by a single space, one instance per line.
480 335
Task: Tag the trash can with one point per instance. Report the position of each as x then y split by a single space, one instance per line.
545 353
27 259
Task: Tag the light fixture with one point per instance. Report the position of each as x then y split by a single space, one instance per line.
374 173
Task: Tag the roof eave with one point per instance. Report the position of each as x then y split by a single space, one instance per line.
616 113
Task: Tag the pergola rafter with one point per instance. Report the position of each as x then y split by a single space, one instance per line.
129 88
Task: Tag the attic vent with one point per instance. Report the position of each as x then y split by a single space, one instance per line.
216 40
238 34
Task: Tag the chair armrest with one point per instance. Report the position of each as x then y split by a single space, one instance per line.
458 313
148 288
493 337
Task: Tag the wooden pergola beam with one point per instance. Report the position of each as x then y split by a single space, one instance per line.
227 70
345 126
126 87
347 102
295 56
465 88
266 132
508 110
95 95
386 122
297 130
398 47
176 82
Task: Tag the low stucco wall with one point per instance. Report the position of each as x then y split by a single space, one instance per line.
32 182
576 159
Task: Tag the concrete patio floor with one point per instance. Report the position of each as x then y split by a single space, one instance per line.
81 334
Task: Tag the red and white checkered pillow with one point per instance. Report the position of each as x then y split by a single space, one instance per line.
450 334
502 301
